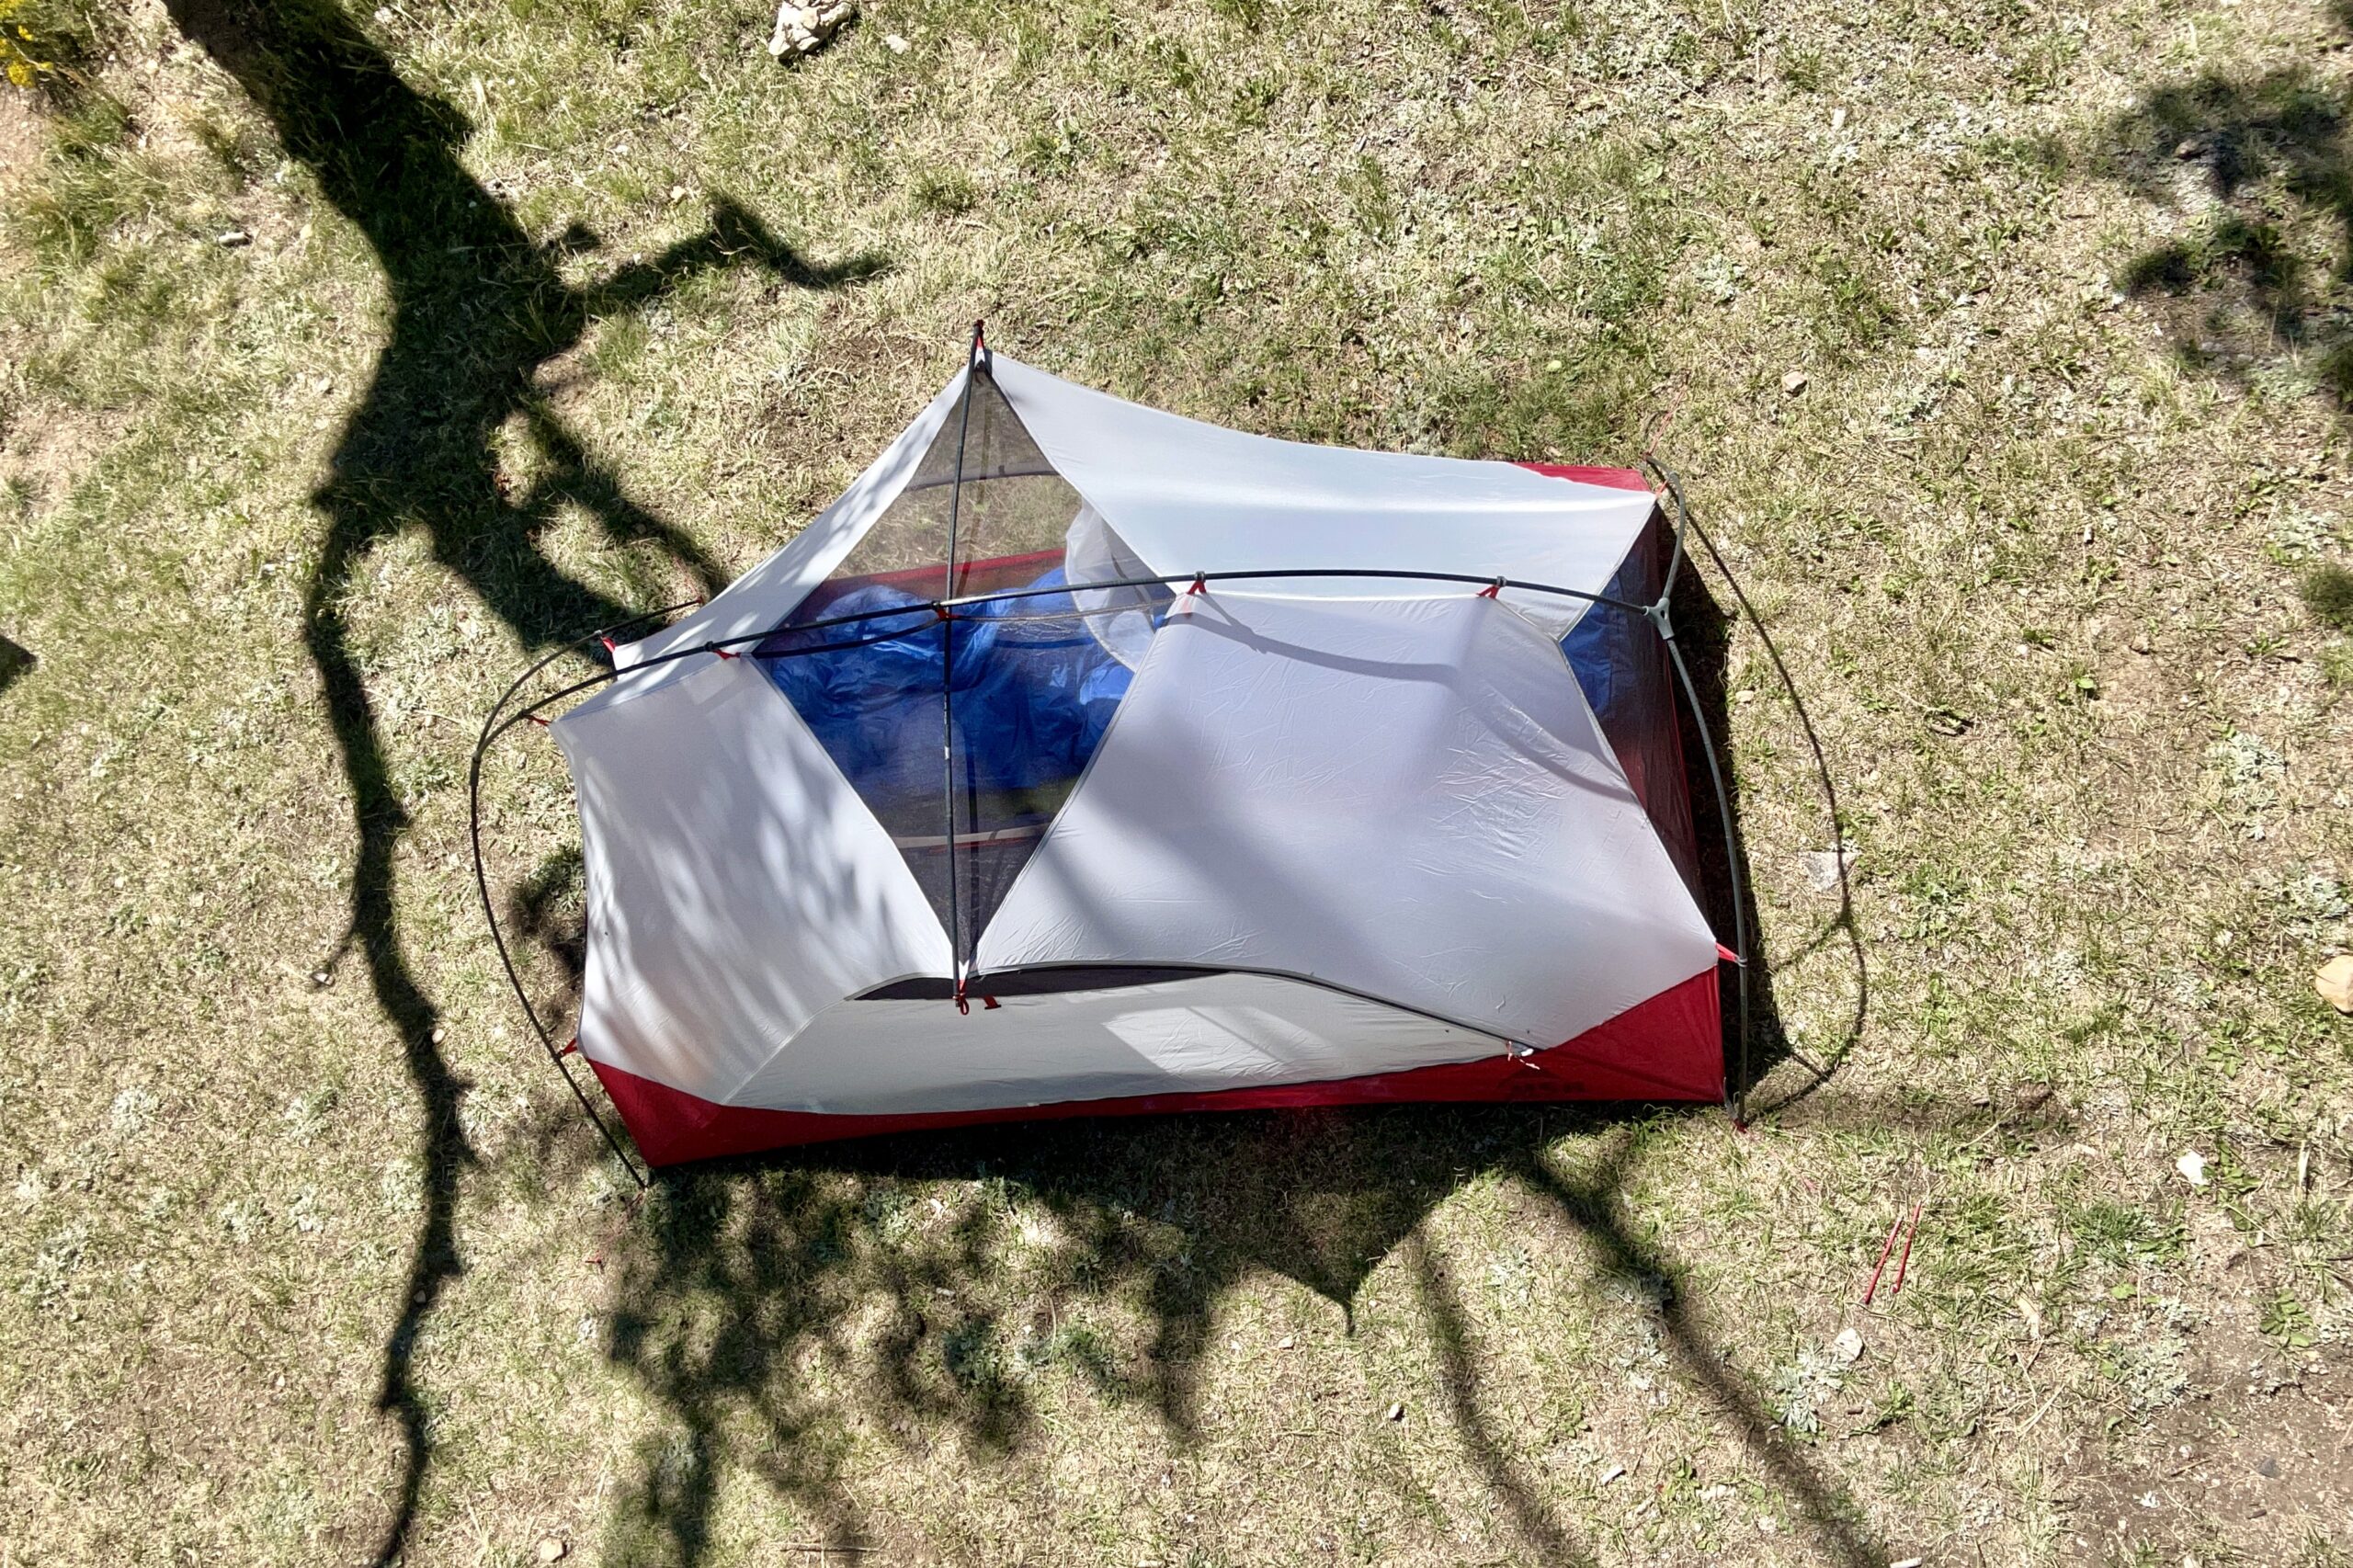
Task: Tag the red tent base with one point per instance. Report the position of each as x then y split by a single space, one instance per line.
1669 1048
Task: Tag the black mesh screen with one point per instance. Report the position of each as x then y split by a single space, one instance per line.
964 734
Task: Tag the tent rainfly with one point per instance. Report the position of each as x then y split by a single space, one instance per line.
1083 759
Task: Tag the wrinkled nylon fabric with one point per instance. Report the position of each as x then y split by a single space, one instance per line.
1407 799
737 886
1192 498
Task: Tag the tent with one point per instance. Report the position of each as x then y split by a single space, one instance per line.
1084 759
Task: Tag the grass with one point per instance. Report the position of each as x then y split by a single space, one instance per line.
536 312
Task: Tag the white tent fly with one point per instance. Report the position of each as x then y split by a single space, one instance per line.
1083 759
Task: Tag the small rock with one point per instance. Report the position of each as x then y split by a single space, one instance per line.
320 977
1793 384
1847 1346
1284 1343
1824 867
2033 1316
2193 1166
803 30
1838 119
1765 1525
233 238
1612 1473
1397 1410
2333 981
894 43
552 1549
1905 1562
2267 1468
439 1034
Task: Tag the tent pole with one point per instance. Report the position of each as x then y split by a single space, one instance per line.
948 665
492 727
1738 1099
1660 616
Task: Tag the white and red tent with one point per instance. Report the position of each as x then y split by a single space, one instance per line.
1086 759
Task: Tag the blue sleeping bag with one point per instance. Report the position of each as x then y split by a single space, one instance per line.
1032 692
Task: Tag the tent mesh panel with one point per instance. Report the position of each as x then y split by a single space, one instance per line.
1017 691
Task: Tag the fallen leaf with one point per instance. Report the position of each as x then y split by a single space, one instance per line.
2335 982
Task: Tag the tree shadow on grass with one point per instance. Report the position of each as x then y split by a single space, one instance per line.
2263 279
914 1292
478 306
16 662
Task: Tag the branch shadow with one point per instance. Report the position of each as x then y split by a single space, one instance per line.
2262 162
920 1290
15 663
478 307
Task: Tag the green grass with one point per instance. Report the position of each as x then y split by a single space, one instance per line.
542 311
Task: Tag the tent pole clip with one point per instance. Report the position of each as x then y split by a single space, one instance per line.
1494 590
1200 584
1658 614
724 654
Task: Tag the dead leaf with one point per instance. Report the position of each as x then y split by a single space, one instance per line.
2335 982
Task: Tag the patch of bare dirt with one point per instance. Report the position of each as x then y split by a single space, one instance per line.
43 449
2255 1461
23 138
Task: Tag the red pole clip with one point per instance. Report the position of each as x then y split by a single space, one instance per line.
1884 1249
1904 1261
989 1004
962 1005
1200 584
608 642
1492 590
569 1046
535 718
724 654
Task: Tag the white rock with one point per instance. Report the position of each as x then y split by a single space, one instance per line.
1823 868
1847 1346
2192 1167
894 43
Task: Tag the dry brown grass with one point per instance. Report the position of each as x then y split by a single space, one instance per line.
307 1270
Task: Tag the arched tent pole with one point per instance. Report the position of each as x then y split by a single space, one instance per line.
1663 621
493 726
1688 526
